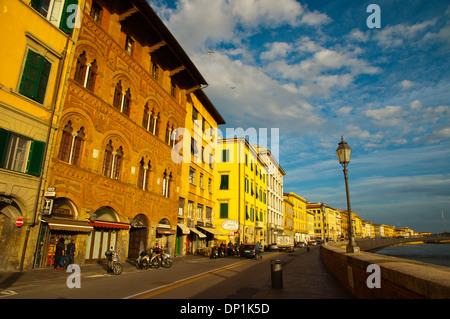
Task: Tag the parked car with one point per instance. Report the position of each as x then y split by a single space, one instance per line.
248 251
273 247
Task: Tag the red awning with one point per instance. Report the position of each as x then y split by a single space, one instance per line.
112 225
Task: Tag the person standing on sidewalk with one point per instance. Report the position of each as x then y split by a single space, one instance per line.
59 253
71 252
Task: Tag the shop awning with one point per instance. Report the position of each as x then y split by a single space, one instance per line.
165 231
213 231
184 229
112 225
200 234
68 225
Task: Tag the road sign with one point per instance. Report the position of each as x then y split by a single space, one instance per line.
19 222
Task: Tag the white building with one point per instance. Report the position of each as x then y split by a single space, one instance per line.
274 194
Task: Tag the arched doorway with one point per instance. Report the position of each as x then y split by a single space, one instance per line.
164 234
9 233
105 235
138 236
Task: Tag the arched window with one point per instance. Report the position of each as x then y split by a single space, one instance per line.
66 143
146 118
92 76
80 70
85 73
144 174
122 101
117 102
166 184
112 161
77 147
168 133
71 145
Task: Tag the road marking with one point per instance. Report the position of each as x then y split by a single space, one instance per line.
150 293
158 290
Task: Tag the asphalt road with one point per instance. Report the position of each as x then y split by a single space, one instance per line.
225 278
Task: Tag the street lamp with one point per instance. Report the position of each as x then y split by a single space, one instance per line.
343 153
322 207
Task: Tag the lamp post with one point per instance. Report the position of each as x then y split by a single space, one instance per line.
322 207
343 152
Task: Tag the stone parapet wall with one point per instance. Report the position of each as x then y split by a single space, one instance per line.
399 278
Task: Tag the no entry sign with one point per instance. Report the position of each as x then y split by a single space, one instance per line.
19 222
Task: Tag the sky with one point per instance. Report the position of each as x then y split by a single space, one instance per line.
317 70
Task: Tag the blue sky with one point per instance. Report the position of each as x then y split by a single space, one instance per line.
316 71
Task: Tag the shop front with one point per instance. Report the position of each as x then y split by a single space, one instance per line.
107 234
60 223
164 234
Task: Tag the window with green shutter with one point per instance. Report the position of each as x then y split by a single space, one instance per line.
223 210
35 158
35 77
20 154
225 156
224 182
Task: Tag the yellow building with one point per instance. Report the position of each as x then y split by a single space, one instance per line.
37 40
300 220
196 207
240 192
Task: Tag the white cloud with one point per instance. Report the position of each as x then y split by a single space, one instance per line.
315 18
406 84
276 50
387 116
395 35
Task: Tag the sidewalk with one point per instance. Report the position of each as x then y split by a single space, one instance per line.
38 276
305 277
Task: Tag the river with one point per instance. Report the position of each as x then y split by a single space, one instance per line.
437 254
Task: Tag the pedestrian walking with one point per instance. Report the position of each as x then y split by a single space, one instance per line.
71 251
59 254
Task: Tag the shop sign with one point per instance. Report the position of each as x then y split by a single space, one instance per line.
230 224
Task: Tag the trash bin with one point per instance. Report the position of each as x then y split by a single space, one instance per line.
276 274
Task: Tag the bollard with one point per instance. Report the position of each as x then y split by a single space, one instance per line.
276 274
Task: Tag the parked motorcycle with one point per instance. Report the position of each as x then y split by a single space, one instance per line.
143 261
114 265
160 258
214 253
165 259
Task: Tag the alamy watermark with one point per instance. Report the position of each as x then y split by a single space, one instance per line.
374 279
74 280
373 20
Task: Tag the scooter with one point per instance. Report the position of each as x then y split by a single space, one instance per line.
143 261
214 253
165 259
114 265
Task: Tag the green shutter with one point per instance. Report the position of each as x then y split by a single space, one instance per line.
42 86
224 182
35 77
4 140
31 74
35 158
223 210
225 156
68 16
